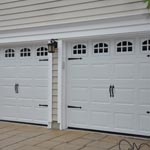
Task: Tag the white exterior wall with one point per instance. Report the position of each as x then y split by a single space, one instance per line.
16 14
41 20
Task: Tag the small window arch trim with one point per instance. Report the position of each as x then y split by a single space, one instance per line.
79 49
9 53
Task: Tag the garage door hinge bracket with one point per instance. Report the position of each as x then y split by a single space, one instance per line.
74 58
43 59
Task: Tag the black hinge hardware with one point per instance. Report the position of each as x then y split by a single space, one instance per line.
43 59
74 58
74 107
43 105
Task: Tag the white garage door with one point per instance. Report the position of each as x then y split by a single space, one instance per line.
108 86
24 84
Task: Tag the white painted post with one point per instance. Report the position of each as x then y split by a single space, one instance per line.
59 111
50 90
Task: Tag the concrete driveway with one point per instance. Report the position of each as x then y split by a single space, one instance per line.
28 137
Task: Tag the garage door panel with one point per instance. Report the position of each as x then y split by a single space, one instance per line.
100 107
100 71
143 84
79 71
78 118
26 114
27 82
25 102
144 70
9 91
25 69
124 96
80 94
25 72
124 121
40 82
100 95
10 112
41 115
25 92
9 101
82 83
125 71
40 72
98 119
144 123
40 92
144 96
8 72
118 87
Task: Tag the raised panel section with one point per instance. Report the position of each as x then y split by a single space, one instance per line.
100 95
144 71
125 71
80 94
100 71
144 122
81 120
144 96
125 96
98 119
124 121
79 71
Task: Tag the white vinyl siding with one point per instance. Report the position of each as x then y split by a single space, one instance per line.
16 14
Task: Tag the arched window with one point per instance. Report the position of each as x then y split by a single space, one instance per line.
146 45
79 49
124 46
25 52
42 51
101 48
9 53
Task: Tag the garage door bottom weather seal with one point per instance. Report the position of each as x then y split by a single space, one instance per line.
109 132
28 123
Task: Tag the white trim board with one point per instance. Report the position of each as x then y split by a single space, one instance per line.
134 24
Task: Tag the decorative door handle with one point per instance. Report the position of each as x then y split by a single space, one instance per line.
110 90
113 87
16 88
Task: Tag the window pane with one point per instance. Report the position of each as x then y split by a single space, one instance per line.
130 49
101 45
95 50
145 43
119 49
100 50
124 43
124 49
105 50
84 51
119 44
144 48
75 52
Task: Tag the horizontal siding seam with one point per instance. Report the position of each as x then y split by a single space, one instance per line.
55 1
2 3
28 4
88 9
48 21
64 6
